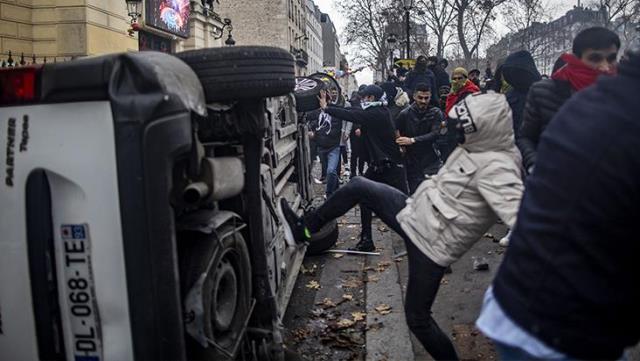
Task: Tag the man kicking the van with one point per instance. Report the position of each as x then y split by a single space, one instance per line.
446 215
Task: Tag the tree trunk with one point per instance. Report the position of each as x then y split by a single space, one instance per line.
462 8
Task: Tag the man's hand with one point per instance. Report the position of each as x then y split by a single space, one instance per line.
322 99
405 141
358 132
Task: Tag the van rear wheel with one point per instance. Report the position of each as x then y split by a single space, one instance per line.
226 290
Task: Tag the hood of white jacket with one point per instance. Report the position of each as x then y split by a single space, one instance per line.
487 122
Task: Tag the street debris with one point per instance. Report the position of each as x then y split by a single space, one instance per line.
345 322
358 316
383 309
383 228
314 285
373 279
326 303
491 237
375 326
338 255
309 271
480 264
382 266
351 282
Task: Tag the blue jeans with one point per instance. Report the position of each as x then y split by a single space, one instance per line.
331 157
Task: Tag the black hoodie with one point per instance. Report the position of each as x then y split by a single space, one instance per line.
519 70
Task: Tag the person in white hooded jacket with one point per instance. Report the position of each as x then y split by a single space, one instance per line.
446 215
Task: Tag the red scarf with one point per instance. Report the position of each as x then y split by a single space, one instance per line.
577 73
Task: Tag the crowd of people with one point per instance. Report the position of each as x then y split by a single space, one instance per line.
556 159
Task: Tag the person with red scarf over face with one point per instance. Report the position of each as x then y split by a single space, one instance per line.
594 54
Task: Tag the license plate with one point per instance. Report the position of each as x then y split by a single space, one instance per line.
80 294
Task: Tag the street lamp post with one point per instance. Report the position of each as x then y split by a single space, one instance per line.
408 5
134 9
391 40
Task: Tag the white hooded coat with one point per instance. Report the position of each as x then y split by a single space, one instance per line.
480 181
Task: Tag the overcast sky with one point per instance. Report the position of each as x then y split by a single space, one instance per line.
366 76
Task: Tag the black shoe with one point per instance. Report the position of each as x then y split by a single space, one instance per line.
294 230
365 245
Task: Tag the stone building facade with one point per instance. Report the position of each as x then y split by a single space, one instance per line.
546 41
280 23
314 37
330 43
64 28
60 30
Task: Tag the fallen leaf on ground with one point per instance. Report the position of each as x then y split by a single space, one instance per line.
347 297
358 316
351 226
489 235
382 266
369 268
345 322
326 303
399 259
383 229
338 255
444 282
373 279
314 285
351 283
383 309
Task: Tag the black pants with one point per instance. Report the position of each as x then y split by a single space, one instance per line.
424 274
416 173
395 177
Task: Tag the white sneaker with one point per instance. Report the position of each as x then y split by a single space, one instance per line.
504 241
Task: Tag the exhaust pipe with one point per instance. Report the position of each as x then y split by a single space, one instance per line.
220 178
195 192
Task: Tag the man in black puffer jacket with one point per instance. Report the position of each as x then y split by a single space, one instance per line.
594 53
519 70
568 286
421 74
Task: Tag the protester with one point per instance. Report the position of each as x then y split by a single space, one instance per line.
344 147
385 162
442 78
520 72
568 285
594 53
474 76
327 132
396 98
358 149
420 74
461 86
445 216
419 127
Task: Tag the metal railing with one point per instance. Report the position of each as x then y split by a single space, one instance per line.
9 60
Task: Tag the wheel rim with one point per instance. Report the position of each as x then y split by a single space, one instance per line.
304 84
225 300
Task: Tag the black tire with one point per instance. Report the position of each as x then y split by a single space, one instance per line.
324 239
306 92
226 291
242 72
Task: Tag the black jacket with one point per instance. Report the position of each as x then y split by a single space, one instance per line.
417 76
424 127
519 70
442 78
570 275
543 101
327 129
377 129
